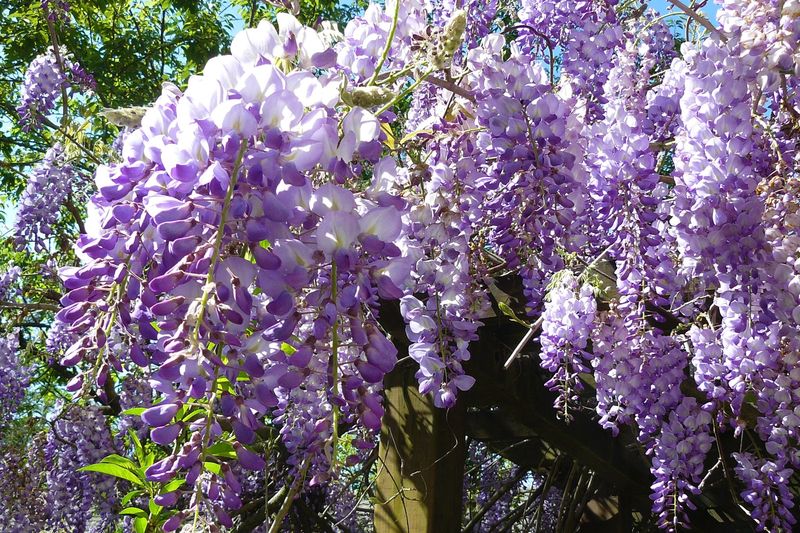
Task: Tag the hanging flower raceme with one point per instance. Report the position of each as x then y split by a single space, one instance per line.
50 184
9 287
535 193
222 256
78 437
767 35
567 321
14 377
47 77
361 51
57 10
22 507
766 490
442 324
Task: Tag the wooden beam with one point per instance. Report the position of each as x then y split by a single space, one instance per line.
504 407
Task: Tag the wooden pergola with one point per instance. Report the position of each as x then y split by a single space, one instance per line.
422 448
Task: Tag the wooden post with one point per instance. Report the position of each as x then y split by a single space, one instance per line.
421 461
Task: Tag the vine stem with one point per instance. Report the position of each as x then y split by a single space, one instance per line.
501 491
204 301
388 45
287 503
30 306
111 319
218 239
404 93
550 47
452 87
204 447
334 362
57 52
72 139
76 214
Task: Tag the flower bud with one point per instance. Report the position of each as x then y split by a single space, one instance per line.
368 96
248 459
454 31
167 499
165 435
160 415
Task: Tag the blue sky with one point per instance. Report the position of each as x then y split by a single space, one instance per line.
662 6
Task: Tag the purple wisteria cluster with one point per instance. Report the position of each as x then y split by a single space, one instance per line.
489 474
225 255
23 507
679 453
47 79
14 377
766 491
9 283
528 184
441 327
57 10
238 258
79 501
567 322
49 185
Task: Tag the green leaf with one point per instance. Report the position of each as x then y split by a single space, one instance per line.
214 468
506 310
140 524
222 449
134 511
134 411
149 459
390 141
155 509
191 415
224 385
287 348
137 446
413 134
113 470
173 485
131 495
115 459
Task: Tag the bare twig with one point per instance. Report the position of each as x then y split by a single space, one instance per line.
528 336
255 512
452 87
76 214
287 503
694 15
75 141
60 61
499 493
388 45
726 471
548 42
30 306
